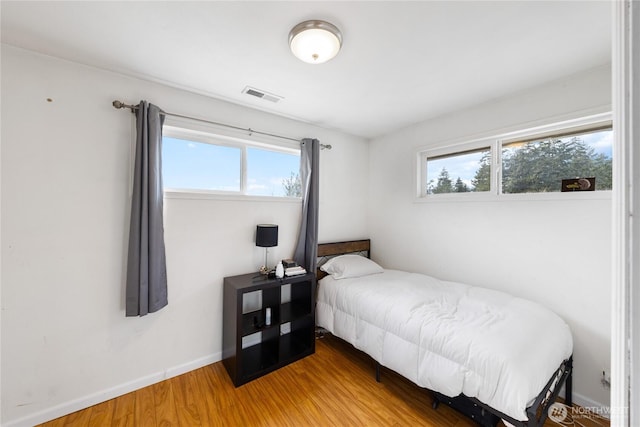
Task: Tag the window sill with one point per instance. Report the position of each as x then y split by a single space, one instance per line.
212 195
522 197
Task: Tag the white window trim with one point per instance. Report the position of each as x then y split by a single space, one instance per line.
189 127
451 149
494 142
180 129
221 196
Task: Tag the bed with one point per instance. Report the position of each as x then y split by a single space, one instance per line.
488 354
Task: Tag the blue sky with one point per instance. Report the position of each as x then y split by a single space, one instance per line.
602 142
197 165
267 169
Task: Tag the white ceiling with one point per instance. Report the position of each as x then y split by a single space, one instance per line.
401 62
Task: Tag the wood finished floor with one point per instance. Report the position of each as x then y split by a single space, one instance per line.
334 387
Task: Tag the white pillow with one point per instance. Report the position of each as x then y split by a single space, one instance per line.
346 266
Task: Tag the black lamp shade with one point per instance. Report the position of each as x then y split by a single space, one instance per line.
266 235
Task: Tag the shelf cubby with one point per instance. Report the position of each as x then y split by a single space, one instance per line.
251 348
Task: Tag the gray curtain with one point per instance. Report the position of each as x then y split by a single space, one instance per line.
146 289
306 250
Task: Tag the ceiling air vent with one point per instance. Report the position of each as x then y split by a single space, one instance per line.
262 94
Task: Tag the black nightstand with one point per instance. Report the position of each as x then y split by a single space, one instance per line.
250 347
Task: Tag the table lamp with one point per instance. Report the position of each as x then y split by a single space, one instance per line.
266 237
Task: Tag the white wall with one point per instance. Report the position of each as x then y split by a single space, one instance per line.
64 211
65 181
554 252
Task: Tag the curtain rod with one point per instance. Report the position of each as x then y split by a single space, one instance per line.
119 104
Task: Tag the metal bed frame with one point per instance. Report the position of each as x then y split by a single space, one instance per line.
486 416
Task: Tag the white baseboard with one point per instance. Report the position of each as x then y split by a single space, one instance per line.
104 395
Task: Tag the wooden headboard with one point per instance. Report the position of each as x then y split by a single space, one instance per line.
341 248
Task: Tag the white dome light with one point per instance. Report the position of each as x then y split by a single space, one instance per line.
315 42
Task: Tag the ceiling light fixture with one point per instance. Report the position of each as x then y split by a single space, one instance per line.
315 41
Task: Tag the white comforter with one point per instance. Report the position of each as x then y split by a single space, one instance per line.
449 337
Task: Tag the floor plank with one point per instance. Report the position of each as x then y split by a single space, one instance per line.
145 408
102 414
186 407
124 410
334 387
165 404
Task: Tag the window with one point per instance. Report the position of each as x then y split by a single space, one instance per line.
206 163
460 172
522 162
539 165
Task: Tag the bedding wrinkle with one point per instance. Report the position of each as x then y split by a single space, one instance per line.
448 337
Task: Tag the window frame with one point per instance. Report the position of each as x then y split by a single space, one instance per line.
496 142
452 150
209 135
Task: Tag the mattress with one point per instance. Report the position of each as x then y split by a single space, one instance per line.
449 337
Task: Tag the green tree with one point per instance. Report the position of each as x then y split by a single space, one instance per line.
540 166
482 179
603 171
444 184
292 185
461 187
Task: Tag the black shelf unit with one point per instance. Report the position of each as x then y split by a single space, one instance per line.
250 348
